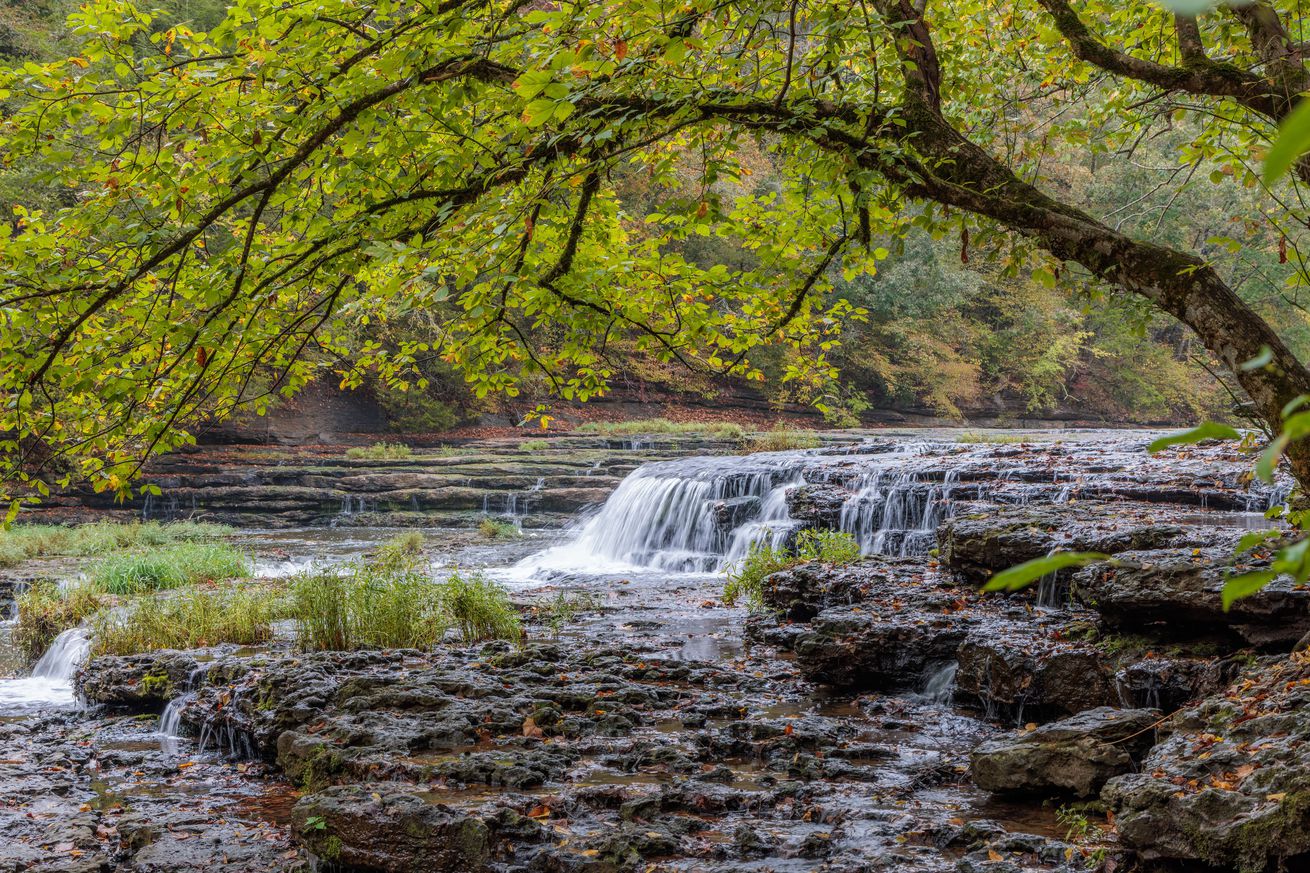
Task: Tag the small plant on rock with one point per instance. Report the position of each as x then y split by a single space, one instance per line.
480 609
781 439
498 529
746 582
188 619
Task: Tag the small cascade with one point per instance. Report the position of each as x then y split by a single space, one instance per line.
65 655
940 687
893 513
170 722
51 682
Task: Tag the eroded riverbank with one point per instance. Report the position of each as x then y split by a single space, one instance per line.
659 729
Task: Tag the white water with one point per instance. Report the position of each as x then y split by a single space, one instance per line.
170 722
702 515
51 682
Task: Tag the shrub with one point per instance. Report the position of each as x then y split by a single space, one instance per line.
361 606
168 567
498 529
188 619
780 439
380 452
719 429
829 546
21 542
763 560
44 611
480 609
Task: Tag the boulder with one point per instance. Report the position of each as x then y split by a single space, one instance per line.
1076 755
1177 590
1016 669
1230 785
139 681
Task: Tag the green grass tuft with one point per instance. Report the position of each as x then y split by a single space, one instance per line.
763 560
188 619
380 452
781 439
44 612
498 529
718 429
384 605
171 566
996 438
480 609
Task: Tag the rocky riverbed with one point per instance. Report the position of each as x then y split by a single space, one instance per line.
884 715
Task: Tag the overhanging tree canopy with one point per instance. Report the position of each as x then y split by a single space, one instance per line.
243 198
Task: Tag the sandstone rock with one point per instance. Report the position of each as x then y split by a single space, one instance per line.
1076 755
139 681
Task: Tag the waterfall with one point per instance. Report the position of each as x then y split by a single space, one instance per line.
940 688
65 655
51 682
170 722
691 516
893 513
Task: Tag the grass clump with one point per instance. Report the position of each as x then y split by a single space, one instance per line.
993 438
380 452
720 429
401 547
498 529
23 541
188 619
44 611
171 566
565 609
781 439
377 605
393 604
534 445
746 582
479 609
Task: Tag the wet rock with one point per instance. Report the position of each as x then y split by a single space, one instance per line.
389 828
800 593
1018 670
139 681
1178 590
1230 784
975 546
817 505
1076 755
855 649
1168 683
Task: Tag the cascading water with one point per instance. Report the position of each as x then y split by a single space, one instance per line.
51 682
170 722
690 516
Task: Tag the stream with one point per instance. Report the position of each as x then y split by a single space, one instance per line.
660 730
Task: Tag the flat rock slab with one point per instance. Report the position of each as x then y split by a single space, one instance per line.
1076 755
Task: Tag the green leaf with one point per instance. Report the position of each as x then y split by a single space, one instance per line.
1245 585
1021 576
1208 430
1262 359
1293 140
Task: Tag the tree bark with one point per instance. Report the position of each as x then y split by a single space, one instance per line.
959 173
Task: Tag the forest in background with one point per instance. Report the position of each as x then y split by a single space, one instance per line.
957 323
